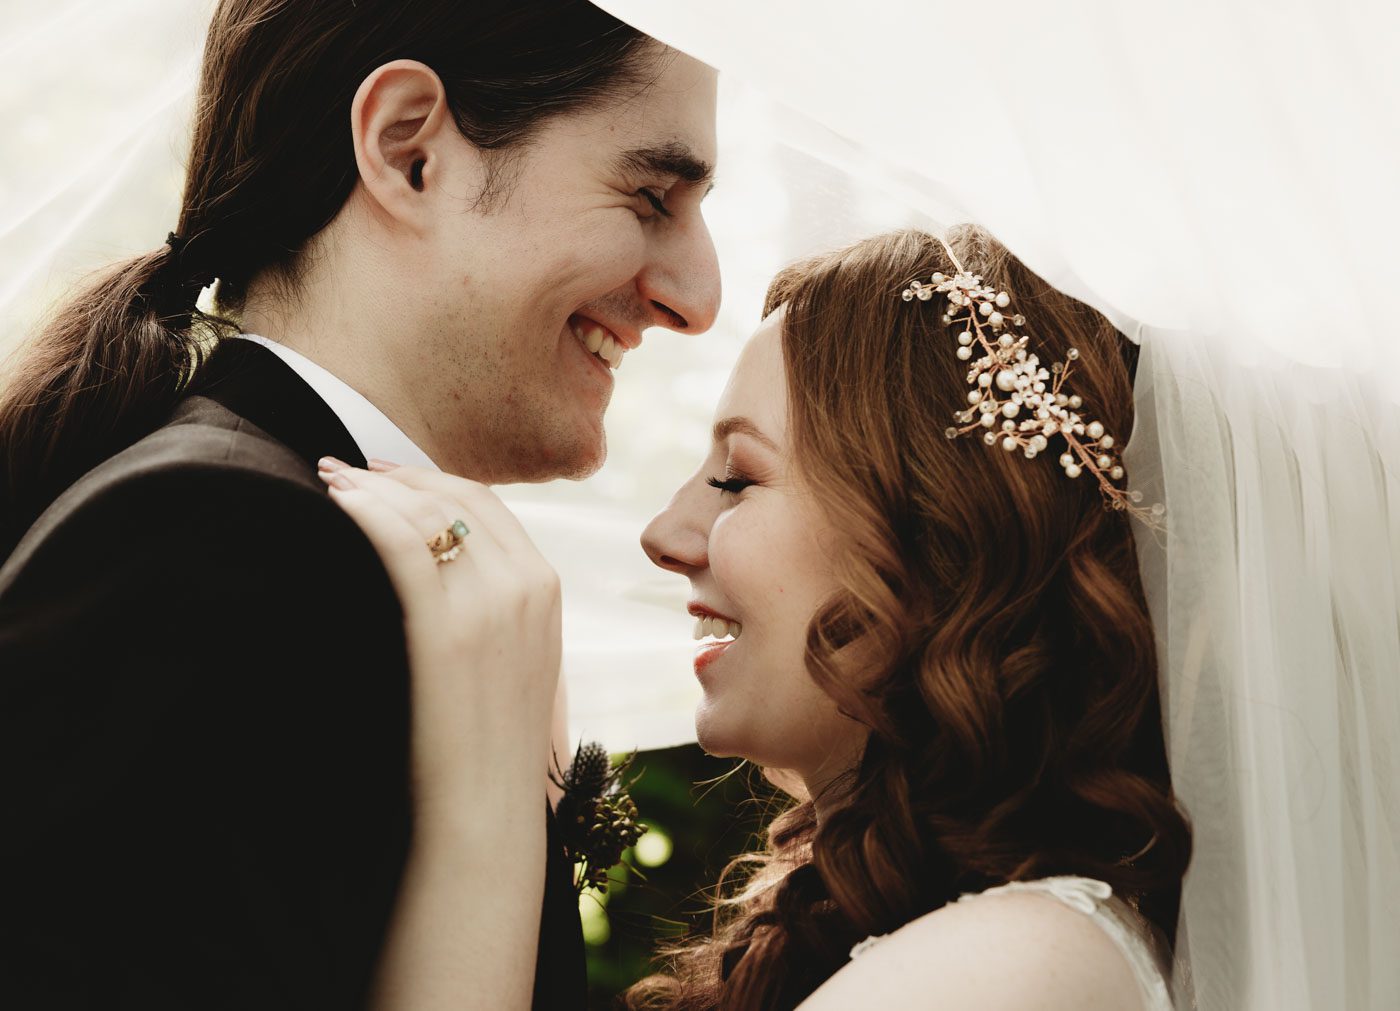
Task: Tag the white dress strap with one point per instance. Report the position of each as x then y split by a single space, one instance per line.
1095 900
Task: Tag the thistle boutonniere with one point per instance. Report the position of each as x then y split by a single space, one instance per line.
597 817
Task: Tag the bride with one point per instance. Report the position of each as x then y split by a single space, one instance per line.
912 565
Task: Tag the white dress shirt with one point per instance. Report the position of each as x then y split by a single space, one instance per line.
377 436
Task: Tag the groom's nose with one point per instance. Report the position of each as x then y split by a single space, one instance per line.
680 281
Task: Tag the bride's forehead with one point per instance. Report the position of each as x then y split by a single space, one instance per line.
757 387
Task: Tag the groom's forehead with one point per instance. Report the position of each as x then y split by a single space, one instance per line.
668 126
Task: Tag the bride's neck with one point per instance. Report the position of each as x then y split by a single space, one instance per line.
829 790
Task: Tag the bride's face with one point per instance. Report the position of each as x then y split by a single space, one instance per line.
756 551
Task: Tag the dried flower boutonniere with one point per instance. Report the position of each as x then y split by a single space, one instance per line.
597 818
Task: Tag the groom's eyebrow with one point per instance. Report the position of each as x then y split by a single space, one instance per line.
742 426
673 158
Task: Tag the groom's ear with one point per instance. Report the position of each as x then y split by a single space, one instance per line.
402 130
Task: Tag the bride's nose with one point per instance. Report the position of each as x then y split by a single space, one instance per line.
677 537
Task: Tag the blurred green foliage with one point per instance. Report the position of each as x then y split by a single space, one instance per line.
708 810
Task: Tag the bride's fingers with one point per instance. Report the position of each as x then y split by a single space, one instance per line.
410 564
481 575
472 495
429 512
510 571
424 512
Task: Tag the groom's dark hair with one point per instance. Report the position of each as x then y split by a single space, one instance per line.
271 164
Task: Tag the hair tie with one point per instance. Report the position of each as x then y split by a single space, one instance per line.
195 283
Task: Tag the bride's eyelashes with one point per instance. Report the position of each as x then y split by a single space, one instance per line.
730 485
658 202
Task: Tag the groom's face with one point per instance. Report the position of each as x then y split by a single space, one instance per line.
574 253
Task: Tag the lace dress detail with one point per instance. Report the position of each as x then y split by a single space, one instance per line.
1095 899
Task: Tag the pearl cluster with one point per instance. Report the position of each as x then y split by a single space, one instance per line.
1015 401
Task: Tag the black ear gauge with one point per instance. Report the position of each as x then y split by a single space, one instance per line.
415 174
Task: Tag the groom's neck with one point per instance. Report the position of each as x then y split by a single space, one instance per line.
355 322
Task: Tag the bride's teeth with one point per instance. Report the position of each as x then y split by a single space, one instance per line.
716 628
595 338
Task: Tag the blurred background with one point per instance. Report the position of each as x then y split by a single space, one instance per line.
700 813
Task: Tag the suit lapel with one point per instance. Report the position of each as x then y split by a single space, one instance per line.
253 383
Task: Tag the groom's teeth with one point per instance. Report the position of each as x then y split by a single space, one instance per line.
601 343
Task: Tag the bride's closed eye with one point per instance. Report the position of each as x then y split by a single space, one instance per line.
730 485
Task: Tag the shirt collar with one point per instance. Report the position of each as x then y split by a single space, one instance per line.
377 436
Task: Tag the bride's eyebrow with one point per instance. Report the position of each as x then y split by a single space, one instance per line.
672 158
726 427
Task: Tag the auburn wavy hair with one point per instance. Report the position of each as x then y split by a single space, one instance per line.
1005 662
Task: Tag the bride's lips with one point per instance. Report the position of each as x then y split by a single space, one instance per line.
708 654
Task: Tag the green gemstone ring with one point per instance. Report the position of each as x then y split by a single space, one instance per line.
446 544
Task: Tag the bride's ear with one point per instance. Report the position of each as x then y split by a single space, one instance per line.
402 130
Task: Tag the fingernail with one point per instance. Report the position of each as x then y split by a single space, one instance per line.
330 463
382 465
336 480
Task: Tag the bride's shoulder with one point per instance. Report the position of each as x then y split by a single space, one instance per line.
1006 948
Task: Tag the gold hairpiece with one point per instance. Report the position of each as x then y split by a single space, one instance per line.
1035 407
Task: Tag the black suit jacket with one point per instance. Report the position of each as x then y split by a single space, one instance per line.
204 725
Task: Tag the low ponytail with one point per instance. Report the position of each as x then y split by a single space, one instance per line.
107 368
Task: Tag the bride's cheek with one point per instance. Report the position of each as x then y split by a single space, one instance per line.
740 548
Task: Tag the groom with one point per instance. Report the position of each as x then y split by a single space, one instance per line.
204 707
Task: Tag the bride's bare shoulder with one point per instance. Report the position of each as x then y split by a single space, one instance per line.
1009 950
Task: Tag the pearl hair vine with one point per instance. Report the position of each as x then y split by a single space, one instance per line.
1017 402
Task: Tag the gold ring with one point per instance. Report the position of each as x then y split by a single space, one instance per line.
446 544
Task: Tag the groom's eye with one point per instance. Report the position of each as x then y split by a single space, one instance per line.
657 202
732 485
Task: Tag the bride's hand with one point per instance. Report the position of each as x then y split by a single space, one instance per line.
483 647
483 629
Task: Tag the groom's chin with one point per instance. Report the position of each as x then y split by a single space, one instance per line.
583 462
566 459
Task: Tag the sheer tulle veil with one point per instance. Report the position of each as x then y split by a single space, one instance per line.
1218 178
